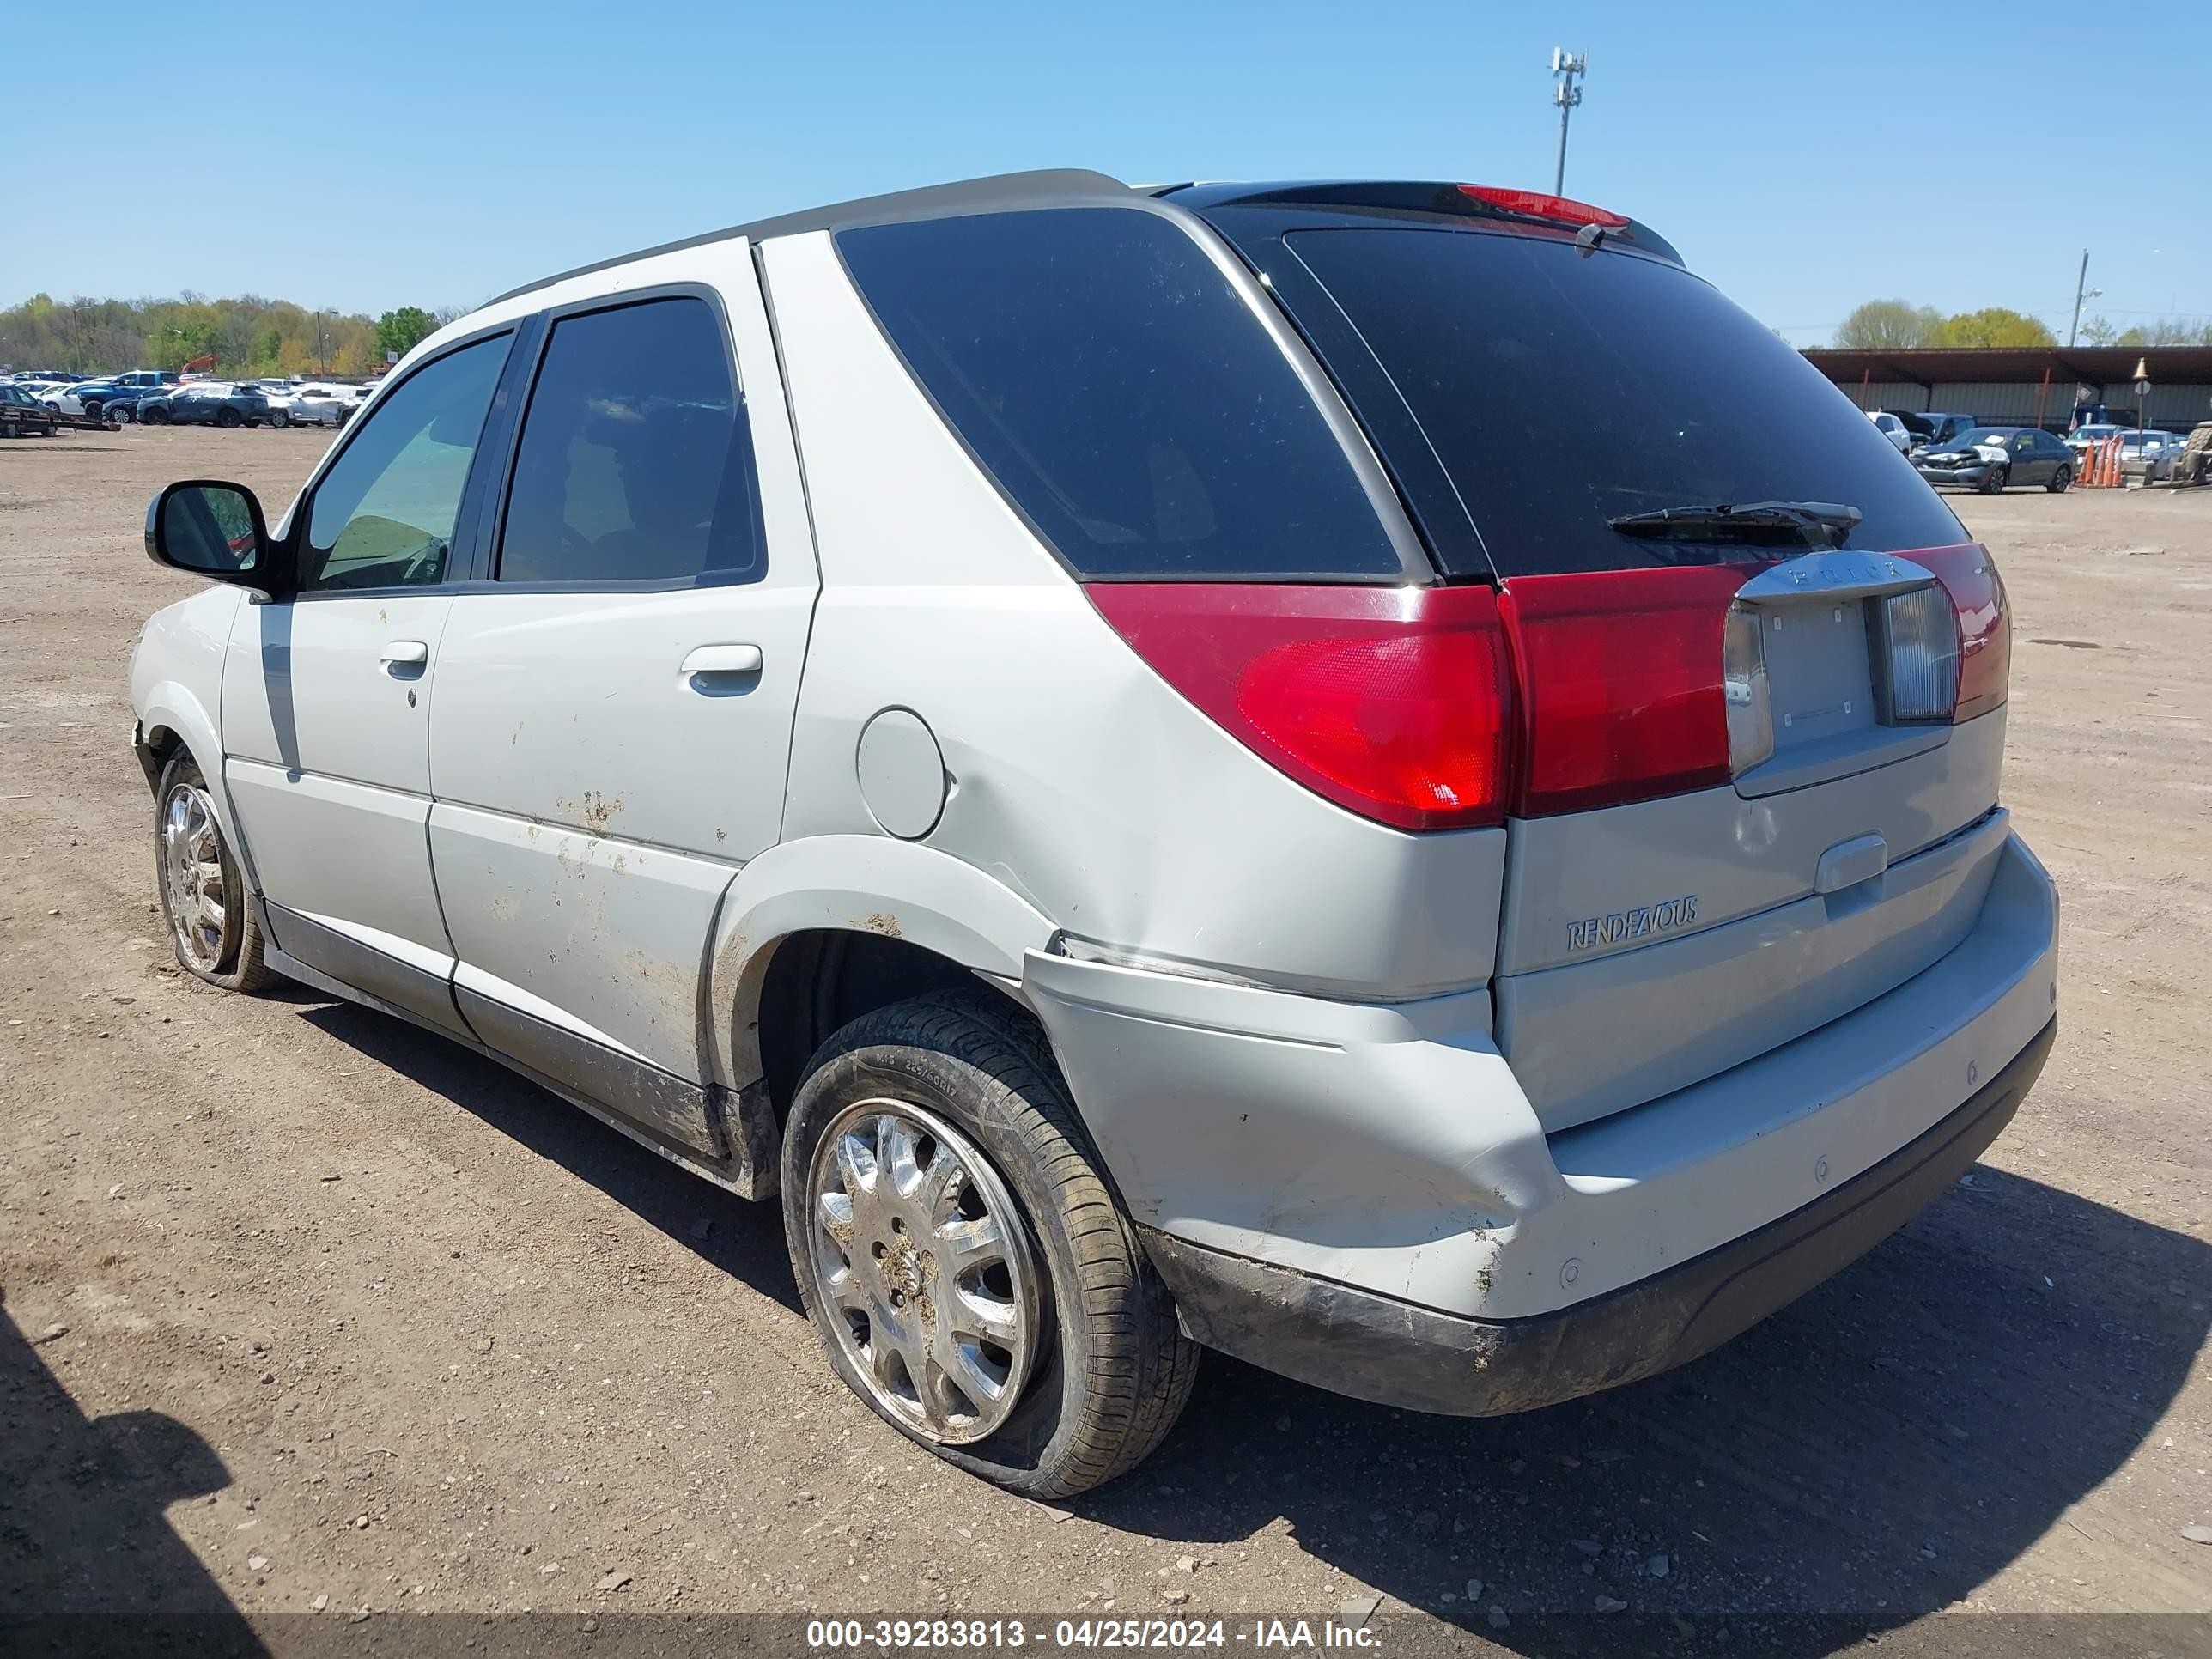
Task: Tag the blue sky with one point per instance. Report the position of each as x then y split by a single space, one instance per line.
1804 157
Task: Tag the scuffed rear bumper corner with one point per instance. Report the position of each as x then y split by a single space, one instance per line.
1374 1347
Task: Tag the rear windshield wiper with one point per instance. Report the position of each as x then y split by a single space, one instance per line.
1757 523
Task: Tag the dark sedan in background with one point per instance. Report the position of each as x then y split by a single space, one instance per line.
208 403
22 415
1990 457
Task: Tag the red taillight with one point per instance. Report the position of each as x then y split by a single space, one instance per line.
1452 707
1970 576
1391 702
1620 682
1532 204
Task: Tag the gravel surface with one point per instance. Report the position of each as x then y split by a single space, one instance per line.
305 1311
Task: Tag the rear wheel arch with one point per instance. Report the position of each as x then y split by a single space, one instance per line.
817 981
876 919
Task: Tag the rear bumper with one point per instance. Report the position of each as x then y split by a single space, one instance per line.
1334 1188
1373 1347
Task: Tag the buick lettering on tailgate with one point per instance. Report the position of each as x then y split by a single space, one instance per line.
1640 923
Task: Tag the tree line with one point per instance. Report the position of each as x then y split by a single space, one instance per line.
249 336
1900 326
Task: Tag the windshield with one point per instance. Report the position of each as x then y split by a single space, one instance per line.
1982 434
1562 391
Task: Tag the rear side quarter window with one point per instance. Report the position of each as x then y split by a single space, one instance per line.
1106 374
636 460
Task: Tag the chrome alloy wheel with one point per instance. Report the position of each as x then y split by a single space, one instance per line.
191 871
925 1267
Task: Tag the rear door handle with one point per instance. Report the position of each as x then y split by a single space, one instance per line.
405 653
723 660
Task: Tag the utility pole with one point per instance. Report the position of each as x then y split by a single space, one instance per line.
321 367
1565 66
2082 291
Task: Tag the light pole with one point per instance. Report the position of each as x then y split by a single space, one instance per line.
2082 291
1565 66
2142 400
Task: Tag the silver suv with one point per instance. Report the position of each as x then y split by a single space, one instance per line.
1368 776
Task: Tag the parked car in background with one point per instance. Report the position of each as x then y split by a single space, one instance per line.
1892 429
2150 455
91 397
324 405
1991 458
279 395
52 376
209 403
1150 556
2094 432
64 397
1933 429
22 415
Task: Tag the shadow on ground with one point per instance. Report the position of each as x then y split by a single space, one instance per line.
1869 1456
1879 1449
83 1530
747 1239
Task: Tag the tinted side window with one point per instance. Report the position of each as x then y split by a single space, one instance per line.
636 458
383 515
1103 369
1560 391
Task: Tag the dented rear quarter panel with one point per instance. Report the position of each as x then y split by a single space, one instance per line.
1078 779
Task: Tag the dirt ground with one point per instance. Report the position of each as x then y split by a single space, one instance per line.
307 1310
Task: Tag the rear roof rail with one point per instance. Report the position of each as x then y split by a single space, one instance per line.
1454 201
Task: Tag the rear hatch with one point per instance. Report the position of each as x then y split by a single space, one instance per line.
1755 754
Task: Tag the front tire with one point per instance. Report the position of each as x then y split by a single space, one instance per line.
155 416
1994 481
2061 479
933 1145
212 926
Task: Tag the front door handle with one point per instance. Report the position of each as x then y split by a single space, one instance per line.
723 660
405 653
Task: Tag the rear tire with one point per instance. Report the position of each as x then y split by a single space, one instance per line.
1108 1371
123 414
212 928
229 417
2061 479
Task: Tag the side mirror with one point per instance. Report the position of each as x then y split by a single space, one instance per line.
211 529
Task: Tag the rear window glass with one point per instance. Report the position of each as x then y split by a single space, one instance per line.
1561 390
1105 372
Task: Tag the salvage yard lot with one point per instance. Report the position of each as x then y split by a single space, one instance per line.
305 1308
